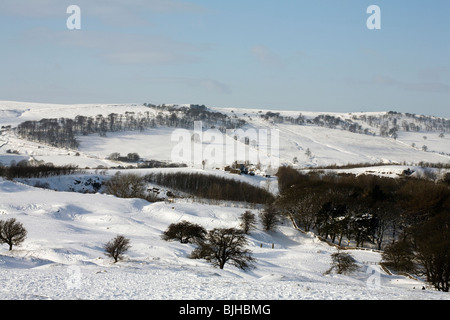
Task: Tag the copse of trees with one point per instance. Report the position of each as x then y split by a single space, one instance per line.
431 241
399 256
184 117
211 187
408 217
218 246
386 125
26 169
62 132
131 185
55 132
360 208
128 185
423 249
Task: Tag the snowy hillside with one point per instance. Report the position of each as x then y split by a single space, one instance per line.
63 258
307 139
68 222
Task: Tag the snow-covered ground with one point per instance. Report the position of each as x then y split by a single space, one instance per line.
326 146
63 258
13 112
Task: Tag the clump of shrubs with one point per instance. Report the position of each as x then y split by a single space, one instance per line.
342 263
218 246
117 247
185 232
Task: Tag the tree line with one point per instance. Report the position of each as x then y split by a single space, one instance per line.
408 214
211 187
26 169
62 132
386 125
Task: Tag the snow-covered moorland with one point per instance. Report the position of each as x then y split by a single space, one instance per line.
63 256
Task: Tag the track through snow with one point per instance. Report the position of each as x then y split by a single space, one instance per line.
62 257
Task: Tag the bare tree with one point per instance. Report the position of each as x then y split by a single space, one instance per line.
248 221
224 245
432 243
117 247
399 256
12 232
269 217
308 153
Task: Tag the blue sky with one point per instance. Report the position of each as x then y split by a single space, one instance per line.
306 55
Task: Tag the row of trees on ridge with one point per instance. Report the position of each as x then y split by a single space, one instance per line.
62 132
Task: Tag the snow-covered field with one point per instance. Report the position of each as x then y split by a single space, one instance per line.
63 257
326 146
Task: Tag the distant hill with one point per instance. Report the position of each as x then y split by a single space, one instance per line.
86 135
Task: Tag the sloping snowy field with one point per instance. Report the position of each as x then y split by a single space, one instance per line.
63 258
326 146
